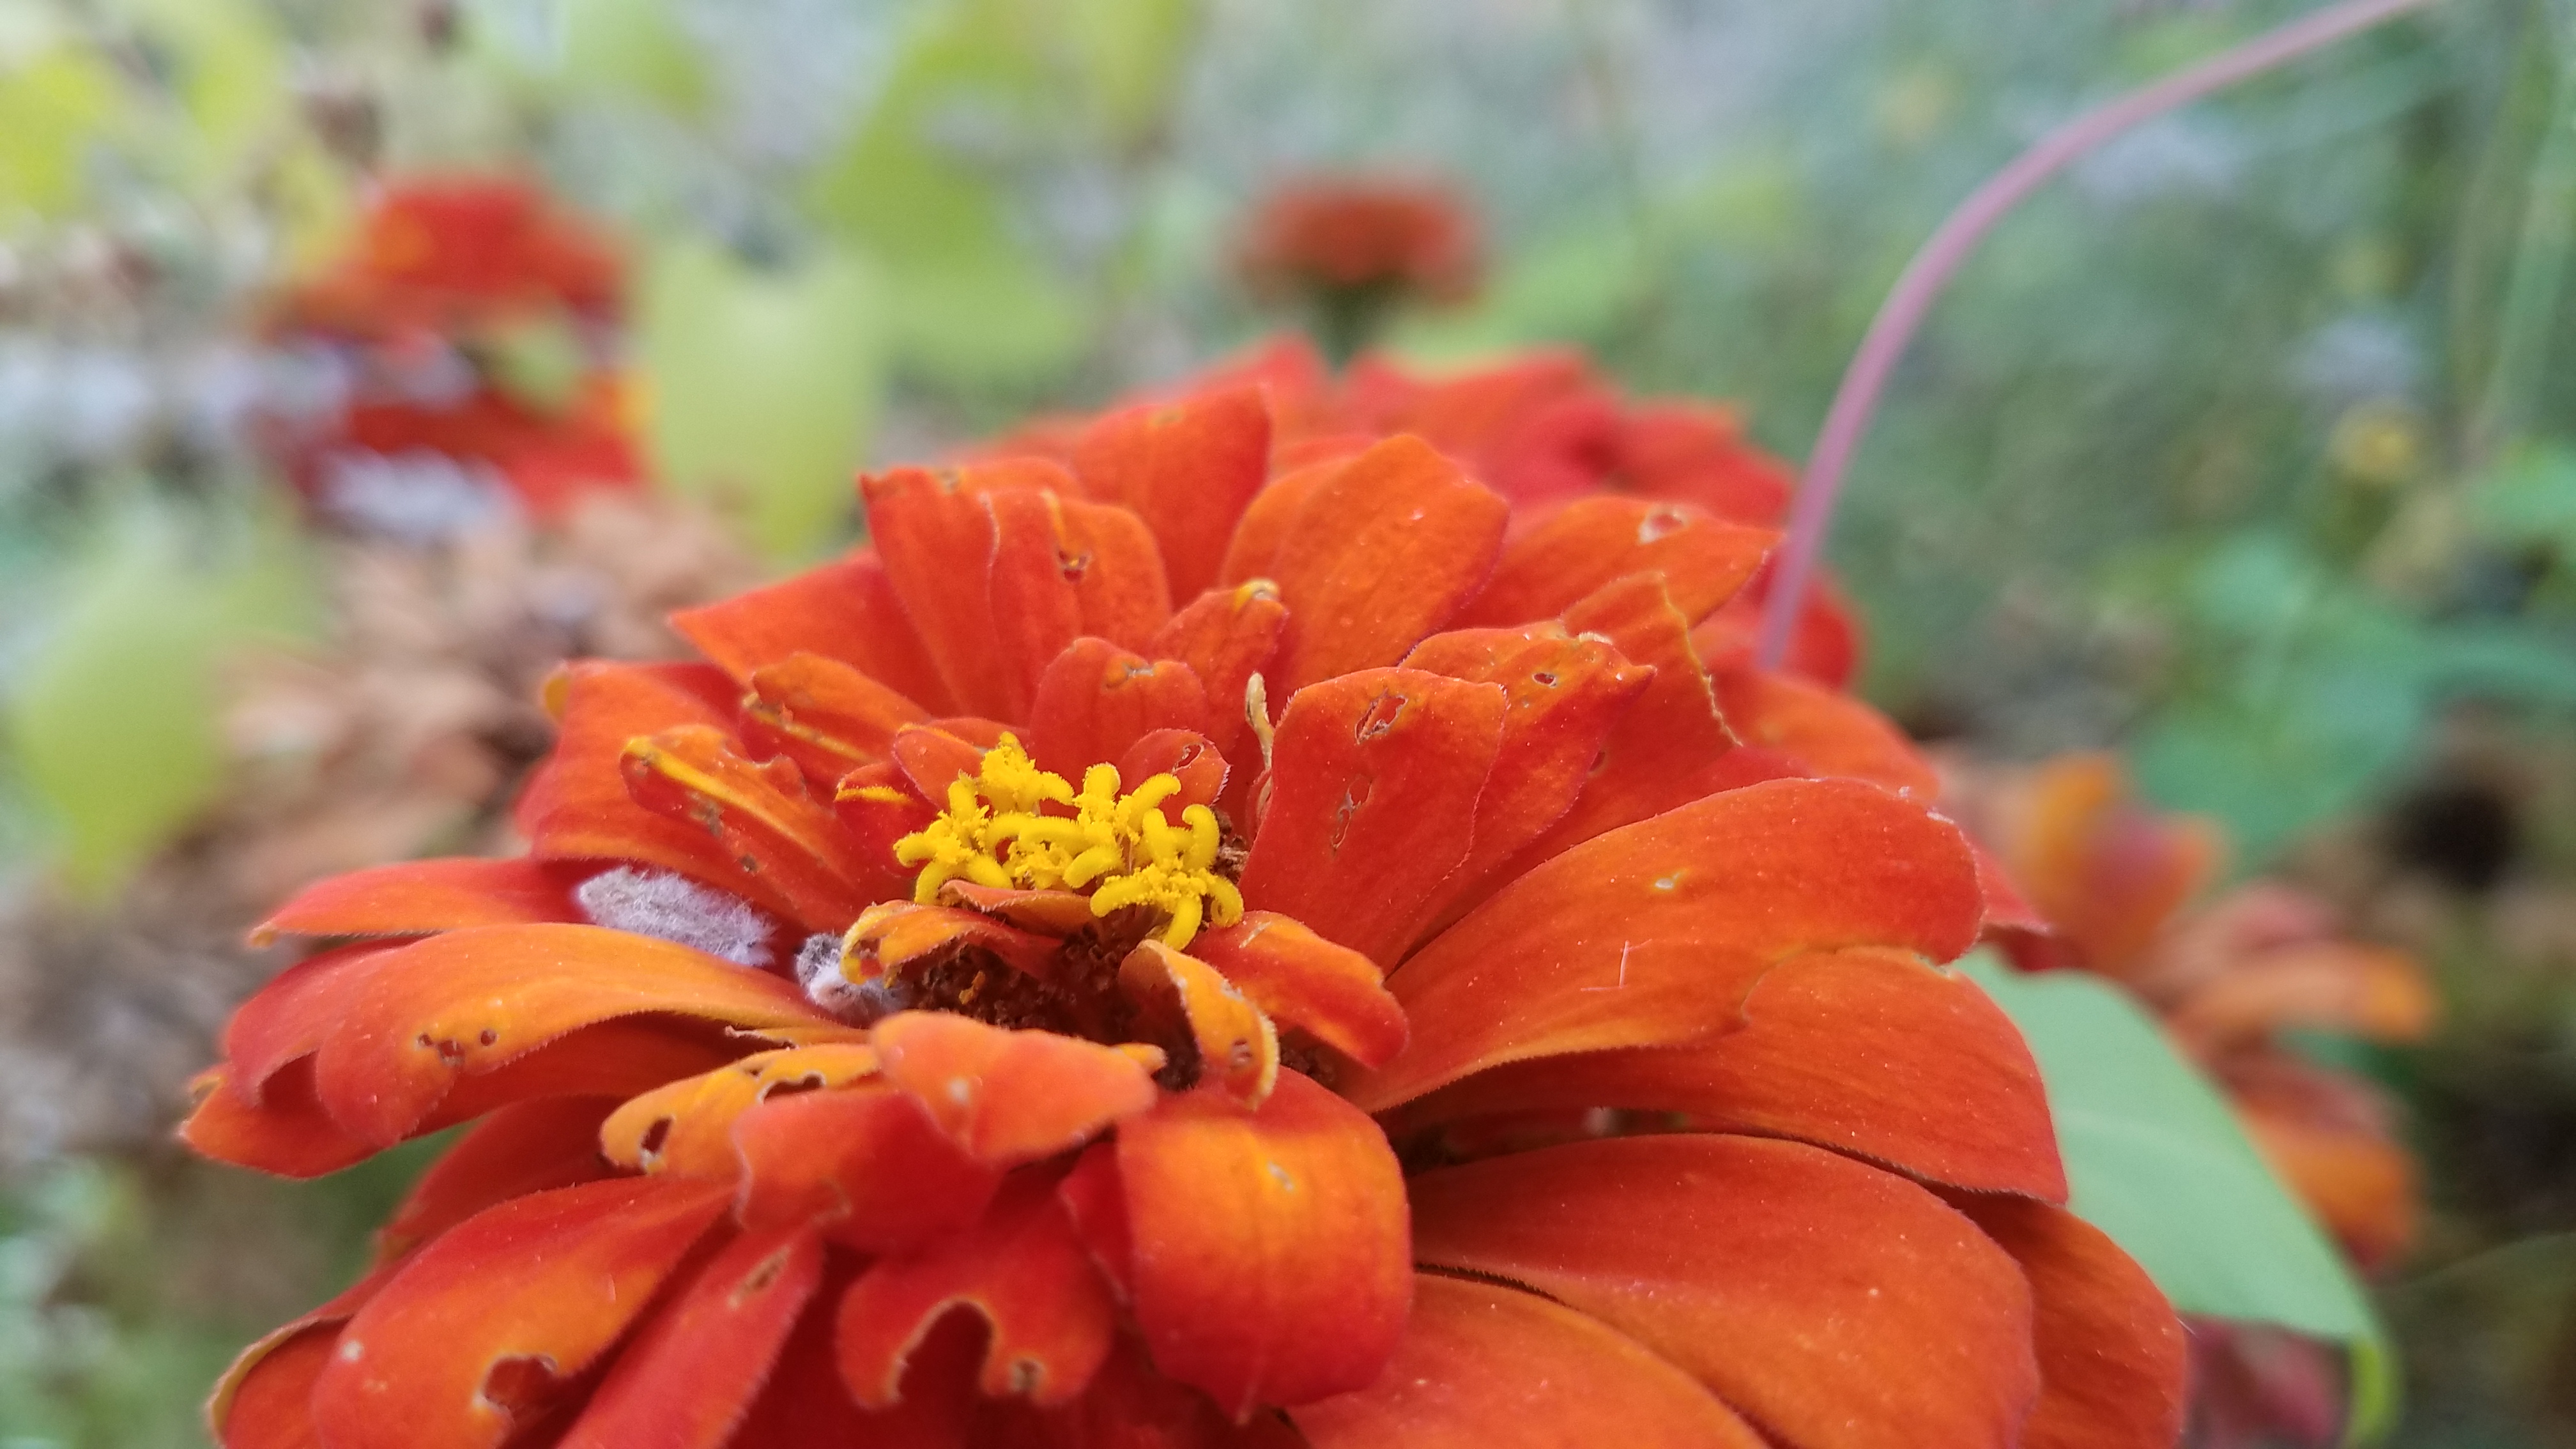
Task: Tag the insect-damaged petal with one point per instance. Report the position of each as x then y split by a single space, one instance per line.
1302 980
1592 541
1486 1367
692 1373
1225 636
1062 570
826 716
685 1129
1270 1250
936 536
1237 1046
1651 934
783 847
1831 1302
1187 467
1868 1051
864 1162
1374 782
576 806
1021 1268
1096 700
437 1012
492 1320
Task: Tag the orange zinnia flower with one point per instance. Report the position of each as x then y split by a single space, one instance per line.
1275 951
2113 879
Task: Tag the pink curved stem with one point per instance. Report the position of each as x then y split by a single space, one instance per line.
1940 256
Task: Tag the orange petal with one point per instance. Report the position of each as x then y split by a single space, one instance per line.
864 1162
286 1133
416 897
1271 1262
685 1128
1044 913
1593 541
1063 569
2112 1356
693 1372
1238 1049
1097 700
1662 747
435 1012
1829 733
1184 755
1331 992
1374 778
1565 696
490 1321
846 610
1225 636
1273 514
1383 552
1131 1406
576 805
523 1148
266 1400
1650 935
932 757
294 1014
890 940
1021 1268
936 537
785 848
1186 467
826 716
2339 986
611 1059
1830 1302
1486 1367
1007 1097
1866 1051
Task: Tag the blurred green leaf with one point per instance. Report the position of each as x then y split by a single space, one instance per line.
225 61
2530 499
629 48
2155 1158
764 386
54 105
1131 53
114 721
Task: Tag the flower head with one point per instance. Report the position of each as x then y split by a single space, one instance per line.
1257 956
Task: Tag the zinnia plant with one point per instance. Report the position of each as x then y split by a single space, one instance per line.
1153 952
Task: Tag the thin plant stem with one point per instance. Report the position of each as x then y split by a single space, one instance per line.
1956 239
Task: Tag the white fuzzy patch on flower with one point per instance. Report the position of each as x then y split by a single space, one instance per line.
675 909
860 1003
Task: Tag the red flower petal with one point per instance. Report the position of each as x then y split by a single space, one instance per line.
1838 1306
1662 747
1565 696
1331 992
266 1401
826 716
419 896
1482 1367
1273 513
1827 732
1184 755
932 756
287 1133
890 939
784 849
294 1014
1383 552
1238 1049
864 1162
694 1370
576 805
1007 1097
1271 1260
1096 700
685 1128
2112 1356
936 537
435 1012
845 610
484 1321
1593 541
1187 467
1225 636
1651 934
1867 1051
1020 1267
1373 777
1063 569
523 1148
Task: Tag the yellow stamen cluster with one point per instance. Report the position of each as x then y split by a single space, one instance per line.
1120 847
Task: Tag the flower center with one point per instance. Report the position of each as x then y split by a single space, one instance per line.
1012 825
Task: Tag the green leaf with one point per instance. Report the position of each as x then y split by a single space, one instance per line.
2156 1159
631 49
764 386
